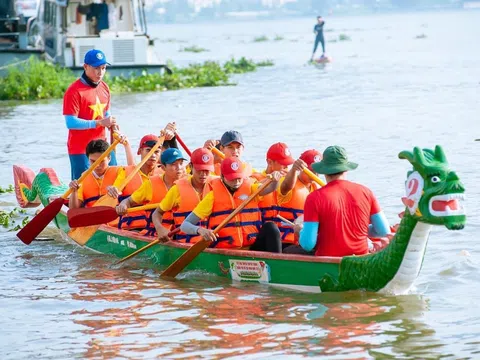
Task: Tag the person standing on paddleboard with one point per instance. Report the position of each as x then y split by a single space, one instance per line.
318 30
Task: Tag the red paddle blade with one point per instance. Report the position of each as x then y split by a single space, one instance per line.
40 221
96 215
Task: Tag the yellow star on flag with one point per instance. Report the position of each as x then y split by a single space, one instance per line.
97 108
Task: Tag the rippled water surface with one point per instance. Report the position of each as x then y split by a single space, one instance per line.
386 91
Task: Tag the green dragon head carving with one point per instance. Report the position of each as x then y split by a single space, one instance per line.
434 193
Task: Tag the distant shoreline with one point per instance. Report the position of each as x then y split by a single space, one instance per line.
266 15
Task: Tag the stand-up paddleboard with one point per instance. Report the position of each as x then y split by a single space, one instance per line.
322 60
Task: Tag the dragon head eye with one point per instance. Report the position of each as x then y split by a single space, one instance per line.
435 179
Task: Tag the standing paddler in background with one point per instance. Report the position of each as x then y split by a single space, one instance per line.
86 107
318 30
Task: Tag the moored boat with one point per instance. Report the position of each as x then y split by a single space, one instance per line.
15 22
67 30
434 196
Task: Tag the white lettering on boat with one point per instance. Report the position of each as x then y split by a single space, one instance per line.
248 270
127 243
112 239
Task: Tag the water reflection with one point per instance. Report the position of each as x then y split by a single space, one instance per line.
133 312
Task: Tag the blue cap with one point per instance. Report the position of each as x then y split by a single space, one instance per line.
95 58
231 136
171 155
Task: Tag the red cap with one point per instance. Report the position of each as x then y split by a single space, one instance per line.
310 157
232 168
147 141
280 153
202 159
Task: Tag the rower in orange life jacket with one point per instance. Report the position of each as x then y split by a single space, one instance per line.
154 190
232 145
98 182
292 193
184 196
245 229
138 219
279 158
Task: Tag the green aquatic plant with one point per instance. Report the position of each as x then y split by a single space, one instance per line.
260 38
244 65
24 85
267 62
8 189
344 37
9 219
197 75
278 38
194 49
35 79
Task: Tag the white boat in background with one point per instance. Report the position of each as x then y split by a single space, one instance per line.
15 18
64 30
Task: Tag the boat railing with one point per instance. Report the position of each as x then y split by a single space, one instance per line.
9 31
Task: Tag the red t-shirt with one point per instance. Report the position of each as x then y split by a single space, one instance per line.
86 103
342 209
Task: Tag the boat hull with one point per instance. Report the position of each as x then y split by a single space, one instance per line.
299 272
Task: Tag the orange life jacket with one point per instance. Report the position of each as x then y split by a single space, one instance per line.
93 189
293 209
138 219
268 203
159 191
189 199
242 230
247 168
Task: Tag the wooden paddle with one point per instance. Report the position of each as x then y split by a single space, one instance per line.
285 220
99 214
43 218
188 256
314 177
218 152
82 234
187 150
155 242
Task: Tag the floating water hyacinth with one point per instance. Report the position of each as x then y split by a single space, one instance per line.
36 79
8 189
194 49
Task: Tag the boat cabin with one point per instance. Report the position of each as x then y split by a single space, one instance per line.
70 28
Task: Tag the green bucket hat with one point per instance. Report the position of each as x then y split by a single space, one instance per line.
334 161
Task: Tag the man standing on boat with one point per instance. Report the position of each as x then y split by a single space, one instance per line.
319 39
337 216
86 107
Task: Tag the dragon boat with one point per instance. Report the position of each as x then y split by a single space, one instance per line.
434 196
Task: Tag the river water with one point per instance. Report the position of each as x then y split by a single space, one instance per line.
386 91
